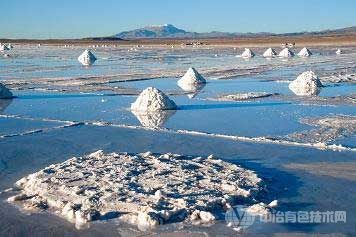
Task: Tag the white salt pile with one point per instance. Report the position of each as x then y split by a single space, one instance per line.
338 51
306 83
144 189
286 53
269 53
3 47
191 77
5 93
247 53
304 53
87 58
152 99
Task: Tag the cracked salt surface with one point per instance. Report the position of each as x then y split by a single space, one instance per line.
327 129
243 96
144 189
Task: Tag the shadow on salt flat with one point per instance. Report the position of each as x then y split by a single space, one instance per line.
227 105
4 103
58 96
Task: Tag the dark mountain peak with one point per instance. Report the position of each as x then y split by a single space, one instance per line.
154 31
170 31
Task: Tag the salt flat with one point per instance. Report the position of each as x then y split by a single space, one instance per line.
62 109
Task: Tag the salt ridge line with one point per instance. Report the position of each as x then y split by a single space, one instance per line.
29 132
320 145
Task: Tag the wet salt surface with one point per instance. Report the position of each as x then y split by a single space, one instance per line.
294 189
261 117
275 116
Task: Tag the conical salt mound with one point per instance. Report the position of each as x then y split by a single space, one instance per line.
152 99
338 51
286 53
3 47
4 92
304 52
269 53
87 58
306 83
191 77
247 53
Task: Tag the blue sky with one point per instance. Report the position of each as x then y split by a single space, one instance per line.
84 18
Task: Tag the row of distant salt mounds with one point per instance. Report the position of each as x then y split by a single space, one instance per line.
269 53
87 58
285 53
144 189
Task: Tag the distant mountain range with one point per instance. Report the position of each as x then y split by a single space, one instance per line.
170 31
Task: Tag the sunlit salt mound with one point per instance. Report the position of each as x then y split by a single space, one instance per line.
247 53
304 53
4 92
191 77
338 51
3 47
286 53
152 99
269 53
87 58
306 83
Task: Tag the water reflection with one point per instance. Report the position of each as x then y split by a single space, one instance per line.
192 89
154 119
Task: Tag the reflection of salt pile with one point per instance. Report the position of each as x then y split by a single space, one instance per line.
154 119
87 58
191 78
338 51
3 47
269 53
304 52
4 92
152 99
144 189
286 53
247 53
306 83
192 90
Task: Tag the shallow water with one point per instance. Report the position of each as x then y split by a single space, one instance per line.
47 112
